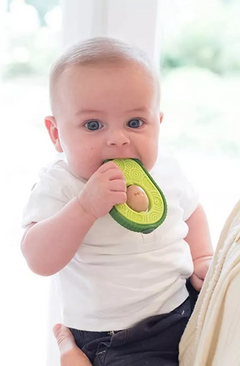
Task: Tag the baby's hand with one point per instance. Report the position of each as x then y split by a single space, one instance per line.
105 188
201 266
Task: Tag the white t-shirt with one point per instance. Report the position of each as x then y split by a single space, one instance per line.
119 277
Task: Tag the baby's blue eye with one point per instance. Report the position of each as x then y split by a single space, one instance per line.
93 125
134 123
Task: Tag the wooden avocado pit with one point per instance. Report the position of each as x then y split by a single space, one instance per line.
137 199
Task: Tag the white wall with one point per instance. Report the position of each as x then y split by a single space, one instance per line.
134 21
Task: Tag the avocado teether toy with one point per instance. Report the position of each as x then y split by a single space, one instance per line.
146 206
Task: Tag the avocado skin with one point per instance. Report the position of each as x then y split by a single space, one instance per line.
144 228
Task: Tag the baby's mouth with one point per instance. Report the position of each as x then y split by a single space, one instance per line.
120 158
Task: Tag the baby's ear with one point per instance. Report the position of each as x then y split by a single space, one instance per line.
161 117
51 126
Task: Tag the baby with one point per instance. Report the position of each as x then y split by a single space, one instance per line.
123 294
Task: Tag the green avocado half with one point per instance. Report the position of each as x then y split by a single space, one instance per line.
144 222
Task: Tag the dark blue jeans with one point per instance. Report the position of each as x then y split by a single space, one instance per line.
152 342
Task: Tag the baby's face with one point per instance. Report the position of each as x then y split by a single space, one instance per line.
104 113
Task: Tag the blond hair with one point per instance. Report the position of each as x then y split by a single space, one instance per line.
101 51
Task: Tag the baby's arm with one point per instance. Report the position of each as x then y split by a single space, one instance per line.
50 244
199 241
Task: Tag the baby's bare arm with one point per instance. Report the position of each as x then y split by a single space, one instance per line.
49 245
199 241
198 236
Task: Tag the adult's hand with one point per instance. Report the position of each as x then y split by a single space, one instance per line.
70 354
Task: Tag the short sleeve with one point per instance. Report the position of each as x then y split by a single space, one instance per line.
189 199
173 179
48 196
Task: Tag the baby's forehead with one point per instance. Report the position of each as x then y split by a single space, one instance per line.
78 81
101 54
102 67
76 73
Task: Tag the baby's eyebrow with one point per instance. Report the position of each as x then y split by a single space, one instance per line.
91 111
140 109
87 111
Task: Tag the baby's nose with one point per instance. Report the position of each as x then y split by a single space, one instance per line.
118 139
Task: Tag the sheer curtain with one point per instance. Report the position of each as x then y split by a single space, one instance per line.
29 41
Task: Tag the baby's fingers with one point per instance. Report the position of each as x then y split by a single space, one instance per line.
107 166
111 171
119 198
196 282
118 185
